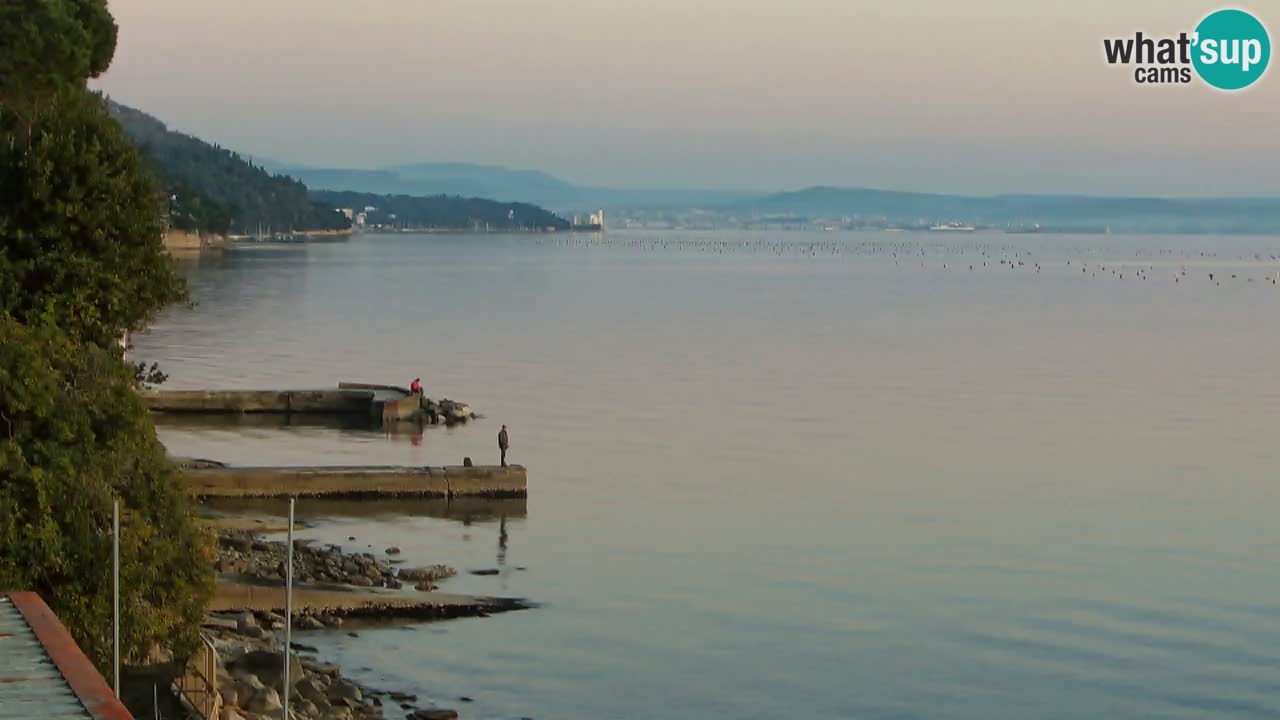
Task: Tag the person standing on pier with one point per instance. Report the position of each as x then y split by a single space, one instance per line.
503 444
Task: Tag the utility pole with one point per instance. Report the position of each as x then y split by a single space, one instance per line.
115 590
288 609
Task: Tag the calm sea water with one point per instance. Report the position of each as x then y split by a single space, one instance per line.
797 475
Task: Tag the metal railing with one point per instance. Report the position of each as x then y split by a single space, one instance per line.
198 684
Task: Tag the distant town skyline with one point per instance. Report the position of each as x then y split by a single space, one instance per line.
987 97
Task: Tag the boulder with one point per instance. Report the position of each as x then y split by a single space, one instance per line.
246 686
246 621
312 691
433 714
266 700
306 622
268 667
433 572
345 691
230 694
325 669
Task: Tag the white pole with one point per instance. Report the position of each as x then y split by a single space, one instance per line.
115 589
288 609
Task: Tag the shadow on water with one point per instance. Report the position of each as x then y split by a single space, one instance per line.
462 510
231 421
351 422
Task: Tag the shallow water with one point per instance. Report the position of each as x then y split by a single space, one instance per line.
819 475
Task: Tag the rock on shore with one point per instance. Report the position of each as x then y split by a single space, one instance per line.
251 679
445 411
241 553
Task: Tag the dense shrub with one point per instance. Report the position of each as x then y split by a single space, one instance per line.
74 434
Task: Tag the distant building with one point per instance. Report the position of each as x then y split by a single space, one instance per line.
594 220
348 212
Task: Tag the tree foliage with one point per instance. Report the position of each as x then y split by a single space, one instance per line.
216 190
45 44
80 223
80 262
74 434
444 212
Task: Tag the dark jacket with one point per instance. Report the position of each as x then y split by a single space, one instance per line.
502 440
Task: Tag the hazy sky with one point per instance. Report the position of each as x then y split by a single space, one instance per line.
939 95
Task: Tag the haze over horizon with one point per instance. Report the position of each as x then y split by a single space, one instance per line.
986 98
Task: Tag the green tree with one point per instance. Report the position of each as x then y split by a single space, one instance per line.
74 434
80 262
45 44
80 223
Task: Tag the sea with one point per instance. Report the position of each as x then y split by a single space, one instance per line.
823 475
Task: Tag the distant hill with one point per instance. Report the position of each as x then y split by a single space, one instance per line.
1120 214
533 186
442 212
213 189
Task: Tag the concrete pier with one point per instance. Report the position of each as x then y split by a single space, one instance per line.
387 404
236 594
357 482
330 402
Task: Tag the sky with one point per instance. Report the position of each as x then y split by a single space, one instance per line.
977 96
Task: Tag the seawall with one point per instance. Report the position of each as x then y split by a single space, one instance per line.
357 482
336 402
185 240
387 403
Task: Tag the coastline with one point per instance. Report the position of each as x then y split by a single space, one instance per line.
244 621
185 241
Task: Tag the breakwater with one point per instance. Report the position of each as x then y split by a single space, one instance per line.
356 482
377 402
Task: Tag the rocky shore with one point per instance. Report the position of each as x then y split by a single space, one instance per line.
242 553
331 587
447 412
250 678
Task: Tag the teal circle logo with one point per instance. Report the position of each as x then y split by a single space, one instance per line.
1232 49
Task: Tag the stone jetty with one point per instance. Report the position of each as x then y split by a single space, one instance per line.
208 479
387 403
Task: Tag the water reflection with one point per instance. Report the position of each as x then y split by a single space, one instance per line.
937 491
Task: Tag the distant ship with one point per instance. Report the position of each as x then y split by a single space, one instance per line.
953 227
